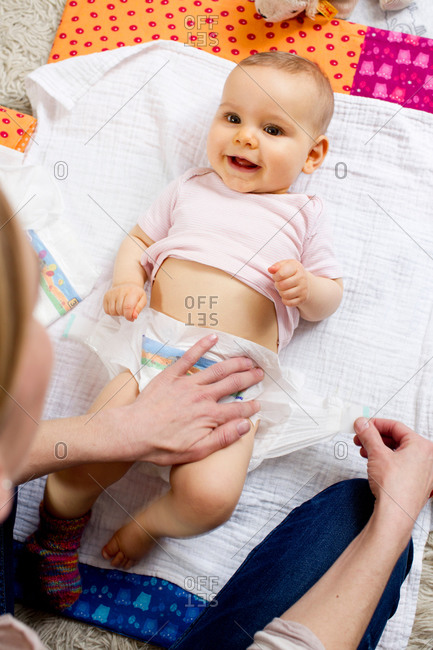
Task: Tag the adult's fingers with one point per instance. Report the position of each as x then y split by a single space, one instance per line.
392 429
223 369
389 442
214 373
368 435
224 413
220 437
191 356
392 432
234 383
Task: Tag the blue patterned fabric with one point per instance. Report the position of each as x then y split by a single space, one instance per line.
141 607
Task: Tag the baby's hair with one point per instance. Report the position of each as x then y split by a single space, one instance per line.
294 64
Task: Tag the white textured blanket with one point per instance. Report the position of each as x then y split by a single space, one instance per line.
126 122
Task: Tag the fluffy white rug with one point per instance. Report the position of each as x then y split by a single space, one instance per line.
56 632
27 29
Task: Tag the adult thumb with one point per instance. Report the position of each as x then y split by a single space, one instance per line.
368 435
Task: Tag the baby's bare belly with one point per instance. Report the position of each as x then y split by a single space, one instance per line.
200 295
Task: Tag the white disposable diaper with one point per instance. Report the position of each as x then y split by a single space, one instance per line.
291 417
66 276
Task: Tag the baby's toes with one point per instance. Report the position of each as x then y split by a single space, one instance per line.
111 549
119 560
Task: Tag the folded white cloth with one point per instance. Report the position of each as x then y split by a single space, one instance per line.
66 275
144 114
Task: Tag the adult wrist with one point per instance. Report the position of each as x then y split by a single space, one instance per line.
391 520
117 432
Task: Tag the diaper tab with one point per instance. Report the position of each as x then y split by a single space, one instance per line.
349 413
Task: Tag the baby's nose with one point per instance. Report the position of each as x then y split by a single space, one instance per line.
246 137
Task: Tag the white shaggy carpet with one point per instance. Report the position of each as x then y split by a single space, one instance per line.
27 29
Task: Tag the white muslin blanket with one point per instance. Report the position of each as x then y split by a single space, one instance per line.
128 121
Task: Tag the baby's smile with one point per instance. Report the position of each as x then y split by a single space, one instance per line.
242 164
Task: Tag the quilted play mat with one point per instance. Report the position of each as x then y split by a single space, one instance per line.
387 67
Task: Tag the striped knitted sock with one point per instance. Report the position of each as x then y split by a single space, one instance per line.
54 548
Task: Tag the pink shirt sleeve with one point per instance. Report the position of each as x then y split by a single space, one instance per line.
156 221
318 255
14 635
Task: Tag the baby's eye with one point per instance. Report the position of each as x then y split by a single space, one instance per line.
273 130
232 118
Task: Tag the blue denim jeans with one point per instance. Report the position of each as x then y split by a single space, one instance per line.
286 564
7 563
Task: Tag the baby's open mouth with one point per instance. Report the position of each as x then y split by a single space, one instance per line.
242 163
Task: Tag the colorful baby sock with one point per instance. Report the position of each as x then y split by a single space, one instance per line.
53 547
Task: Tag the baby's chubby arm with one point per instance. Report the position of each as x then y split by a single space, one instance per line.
127 296
314 296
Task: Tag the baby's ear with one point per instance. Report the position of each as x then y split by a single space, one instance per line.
317 155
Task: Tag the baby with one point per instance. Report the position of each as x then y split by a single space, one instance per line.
226 247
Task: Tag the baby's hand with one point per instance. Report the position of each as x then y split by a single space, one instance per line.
291 281
126 300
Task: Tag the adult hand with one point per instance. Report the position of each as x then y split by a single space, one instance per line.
400 464
176 418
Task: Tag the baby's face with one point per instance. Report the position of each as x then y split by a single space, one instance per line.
262 133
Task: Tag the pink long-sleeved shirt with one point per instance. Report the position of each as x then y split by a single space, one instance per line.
198 218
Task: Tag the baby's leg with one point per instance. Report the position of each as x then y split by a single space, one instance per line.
71 493
65 511
203 496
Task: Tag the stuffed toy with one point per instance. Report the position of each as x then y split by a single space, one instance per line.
394 5
278 10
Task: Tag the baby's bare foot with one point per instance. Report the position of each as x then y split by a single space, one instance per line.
127 546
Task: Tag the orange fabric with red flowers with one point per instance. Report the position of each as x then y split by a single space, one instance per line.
228 28
15 128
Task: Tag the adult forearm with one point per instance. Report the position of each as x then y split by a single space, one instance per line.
176 419
339 607
66 442
325 297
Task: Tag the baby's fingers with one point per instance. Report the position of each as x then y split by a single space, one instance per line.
282 270
141 303
289 285
110 303
133 303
